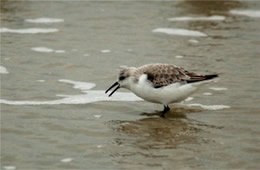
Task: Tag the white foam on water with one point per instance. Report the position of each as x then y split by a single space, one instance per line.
24 102
45 20
86 55
90 96
40 81
210 107
62 95
100 95
46 50
3 70
189 99
66 160
60 51
28 30
210 18
193 41
9 167
105 51
97 116
249 13
207 94
99 146
178 56
42 49
180 32
78 84
218 88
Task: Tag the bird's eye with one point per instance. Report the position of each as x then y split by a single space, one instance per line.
121 78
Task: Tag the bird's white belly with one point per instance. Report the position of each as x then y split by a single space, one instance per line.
169 94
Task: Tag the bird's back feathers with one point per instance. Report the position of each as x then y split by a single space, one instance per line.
161 75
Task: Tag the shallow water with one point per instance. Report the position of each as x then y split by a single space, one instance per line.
57 58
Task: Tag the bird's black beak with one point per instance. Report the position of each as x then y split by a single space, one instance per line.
115 84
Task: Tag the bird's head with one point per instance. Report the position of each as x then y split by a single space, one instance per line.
124 79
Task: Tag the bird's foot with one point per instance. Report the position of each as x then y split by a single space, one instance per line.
166 109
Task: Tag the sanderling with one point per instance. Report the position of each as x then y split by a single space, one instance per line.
160 83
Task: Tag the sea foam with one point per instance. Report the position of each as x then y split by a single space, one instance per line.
46 50
90 96
44 20
218 88
210 107
42 49
28 30
3 70
210 18
249 13
180 32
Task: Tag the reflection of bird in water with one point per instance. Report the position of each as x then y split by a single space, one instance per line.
154 133
160 83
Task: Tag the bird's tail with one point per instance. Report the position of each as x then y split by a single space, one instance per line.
202 78
210 76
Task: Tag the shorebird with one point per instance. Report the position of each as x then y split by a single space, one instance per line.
160 83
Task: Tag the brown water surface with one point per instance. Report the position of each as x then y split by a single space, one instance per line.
51 118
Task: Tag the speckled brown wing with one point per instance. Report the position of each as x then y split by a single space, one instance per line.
164 74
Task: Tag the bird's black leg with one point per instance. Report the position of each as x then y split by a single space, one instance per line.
166 109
